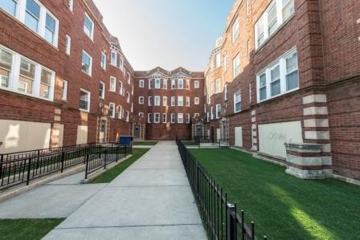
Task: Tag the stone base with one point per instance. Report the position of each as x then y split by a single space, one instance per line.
309 174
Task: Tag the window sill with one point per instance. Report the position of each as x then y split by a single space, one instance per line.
277 96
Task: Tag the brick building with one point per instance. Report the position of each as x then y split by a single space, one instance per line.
167 103
64 78
287 72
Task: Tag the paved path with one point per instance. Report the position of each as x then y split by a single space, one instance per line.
57 199
151 200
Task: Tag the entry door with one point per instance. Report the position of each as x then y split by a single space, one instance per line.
102 133
137 131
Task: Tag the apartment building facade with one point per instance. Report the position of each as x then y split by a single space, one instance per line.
284 82
167 103
64 78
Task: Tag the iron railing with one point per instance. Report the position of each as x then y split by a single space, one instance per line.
24 167
221 219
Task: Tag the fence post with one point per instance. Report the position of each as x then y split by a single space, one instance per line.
28 172
62 161
105 158
1 164
252 230
231 226
87 165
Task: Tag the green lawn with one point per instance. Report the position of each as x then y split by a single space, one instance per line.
26 228
282 206
145 143
112 173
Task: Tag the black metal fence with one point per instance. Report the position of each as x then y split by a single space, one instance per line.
220 217
23 167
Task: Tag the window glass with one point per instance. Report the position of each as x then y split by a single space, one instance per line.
32 15
9 6
272 19
50 26
275 81
5 67
288 9
237 102
27 77
84 100
292 75
45 83
88 26
86 63
263 87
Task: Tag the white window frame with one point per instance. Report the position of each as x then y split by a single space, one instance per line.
218 111
157 118
150 100
121 89
188 118
141 83
172 118
180 118
263 21
218 85
157 83
226 92
236 66
141 100
91 63
91 33
187 101
103 91
237 99
197 84
113 57
281 61
164 118
150 117
173 101
196 100
14 76
235 30
103 60
89 101
165 101
112 87
180 83
165 83
157 101
218 60
180 101
68 45
111 104
64 94
71 5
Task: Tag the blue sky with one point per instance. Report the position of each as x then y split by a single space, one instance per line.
167 33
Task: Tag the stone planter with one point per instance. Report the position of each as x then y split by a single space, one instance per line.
307 161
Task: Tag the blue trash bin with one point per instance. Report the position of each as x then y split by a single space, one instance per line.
126 140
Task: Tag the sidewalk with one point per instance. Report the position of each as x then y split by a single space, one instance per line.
151 200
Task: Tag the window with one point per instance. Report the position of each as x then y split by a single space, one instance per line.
180 83
278 12
128 97
196 84
188 118
236 66
88 27
141 114
292 73
121 112
173 83
237 102
164 118
172 117
32 15
196 115
180 118
280 77
212 112
9 6
218 111
235 30
112 84
173 101
102 90
141 84
71 5
217 60
141 100
64 90
157 101
187 103
149 117
121 89
113 58
165 101
226 92
156 117
165 85
112 110
121 63
30 79
218 86
68 45
150 101
86 63
196 101
84 100
50 28
6 61
103 60
157 83
129 78
180 101
187 83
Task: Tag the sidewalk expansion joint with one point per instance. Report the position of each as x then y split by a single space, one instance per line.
133 226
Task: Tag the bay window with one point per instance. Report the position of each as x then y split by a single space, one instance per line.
279 78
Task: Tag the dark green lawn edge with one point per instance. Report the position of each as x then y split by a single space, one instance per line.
26 228
112 173
145 143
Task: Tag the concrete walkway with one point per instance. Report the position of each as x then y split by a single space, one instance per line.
151 200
